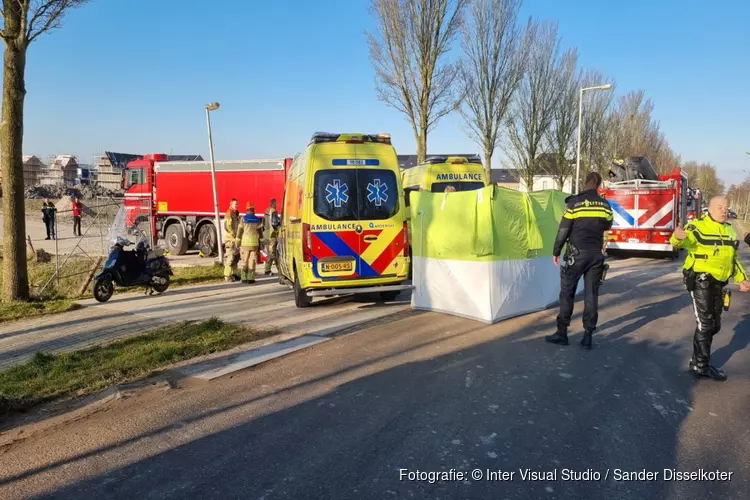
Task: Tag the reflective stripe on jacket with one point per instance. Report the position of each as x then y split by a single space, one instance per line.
712 248
586 217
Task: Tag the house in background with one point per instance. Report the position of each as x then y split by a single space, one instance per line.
503 177
110 165
61 170
32 169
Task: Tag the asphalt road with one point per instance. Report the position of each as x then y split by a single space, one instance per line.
431 393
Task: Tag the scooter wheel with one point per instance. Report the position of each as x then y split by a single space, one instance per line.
103 289
161 287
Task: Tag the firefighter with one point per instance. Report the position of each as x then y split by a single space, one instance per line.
231 245
582 227
271 229
249 235
712 260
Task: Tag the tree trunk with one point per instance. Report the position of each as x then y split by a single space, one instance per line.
488 166
421 138
15 272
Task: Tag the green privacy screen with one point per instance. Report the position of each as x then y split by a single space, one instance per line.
489 224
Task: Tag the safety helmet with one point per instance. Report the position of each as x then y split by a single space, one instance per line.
250 205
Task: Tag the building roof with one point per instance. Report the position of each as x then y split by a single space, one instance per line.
503 175
120 160
410 161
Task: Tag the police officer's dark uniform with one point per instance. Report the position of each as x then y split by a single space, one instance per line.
711 262
582 227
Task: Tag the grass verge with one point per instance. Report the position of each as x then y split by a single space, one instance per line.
50 376
24 310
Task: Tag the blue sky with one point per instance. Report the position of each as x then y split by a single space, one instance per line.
132 76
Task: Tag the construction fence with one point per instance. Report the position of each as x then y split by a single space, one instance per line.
74 259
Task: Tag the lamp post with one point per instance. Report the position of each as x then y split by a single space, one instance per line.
213 107
580 119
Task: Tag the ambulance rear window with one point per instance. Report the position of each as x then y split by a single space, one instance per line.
355 194
439 187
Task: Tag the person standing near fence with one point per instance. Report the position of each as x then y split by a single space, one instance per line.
49 217
77 208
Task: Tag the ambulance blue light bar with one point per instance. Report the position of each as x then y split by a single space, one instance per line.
321 137
350 162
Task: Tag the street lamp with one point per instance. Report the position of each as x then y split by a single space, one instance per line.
213 107
580 118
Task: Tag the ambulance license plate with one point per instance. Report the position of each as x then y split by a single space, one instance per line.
328 267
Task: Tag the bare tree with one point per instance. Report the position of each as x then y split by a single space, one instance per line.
533 109
408 52
561 136
496 49
704 177
595 130
22 22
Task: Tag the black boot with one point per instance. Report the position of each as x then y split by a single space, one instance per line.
586 342
560 337
707 371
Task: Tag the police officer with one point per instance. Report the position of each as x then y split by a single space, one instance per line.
711 261
582 227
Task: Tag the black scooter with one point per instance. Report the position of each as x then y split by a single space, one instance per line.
131 268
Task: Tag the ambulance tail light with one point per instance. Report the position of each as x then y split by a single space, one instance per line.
306 243
406 235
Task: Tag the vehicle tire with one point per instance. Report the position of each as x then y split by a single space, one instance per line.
161 287
176 241
300 297
207 240
390 295
103 289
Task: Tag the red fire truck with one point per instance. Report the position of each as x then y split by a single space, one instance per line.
646 212
175 198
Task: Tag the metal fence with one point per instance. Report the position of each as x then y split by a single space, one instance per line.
77 258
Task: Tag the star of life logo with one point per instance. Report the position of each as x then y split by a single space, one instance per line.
377 192
337 193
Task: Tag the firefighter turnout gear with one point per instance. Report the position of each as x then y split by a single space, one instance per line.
249 235
711 262
271 230
581 233
231 245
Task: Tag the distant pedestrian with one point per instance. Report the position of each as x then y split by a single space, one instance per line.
77 212
49 217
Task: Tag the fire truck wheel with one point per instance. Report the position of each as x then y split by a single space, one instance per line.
176 241
207 239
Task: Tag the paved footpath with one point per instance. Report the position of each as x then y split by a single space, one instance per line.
266 303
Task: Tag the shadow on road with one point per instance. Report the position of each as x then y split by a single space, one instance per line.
740 340
485 406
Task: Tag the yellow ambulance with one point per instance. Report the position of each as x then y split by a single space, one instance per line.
343 225
440 173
